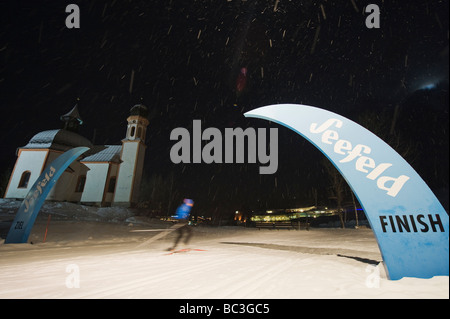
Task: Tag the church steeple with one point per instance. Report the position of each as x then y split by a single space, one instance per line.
137 123
72 120
132 157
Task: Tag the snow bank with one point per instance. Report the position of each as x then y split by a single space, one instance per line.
69 211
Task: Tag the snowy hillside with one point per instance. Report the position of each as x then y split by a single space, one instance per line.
95 253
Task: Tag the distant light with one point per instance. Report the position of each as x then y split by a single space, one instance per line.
428 86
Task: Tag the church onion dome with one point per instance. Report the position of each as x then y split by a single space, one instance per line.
72 115
59 140
72 120
139 110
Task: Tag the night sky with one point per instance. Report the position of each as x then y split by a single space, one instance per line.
184 58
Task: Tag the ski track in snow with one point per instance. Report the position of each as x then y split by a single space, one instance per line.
237 263
223 271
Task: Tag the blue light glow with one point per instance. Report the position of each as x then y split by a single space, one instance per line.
428 86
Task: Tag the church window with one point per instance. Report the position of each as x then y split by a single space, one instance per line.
133 129
24 179
80 184
111 185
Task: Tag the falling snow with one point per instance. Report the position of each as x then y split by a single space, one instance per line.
183 63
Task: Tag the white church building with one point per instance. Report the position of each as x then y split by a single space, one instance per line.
105 175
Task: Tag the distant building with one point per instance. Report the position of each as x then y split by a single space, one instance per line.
292 214
105 175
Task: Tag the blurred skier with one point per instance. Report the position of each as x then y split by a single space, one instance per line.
182 215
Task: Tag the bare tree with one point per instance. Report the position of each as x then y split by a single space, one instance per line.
158 192
356 211
4 179
378 123
337 188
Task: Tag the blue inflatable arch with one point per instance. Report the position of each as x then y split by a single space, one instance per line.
409 223
32 203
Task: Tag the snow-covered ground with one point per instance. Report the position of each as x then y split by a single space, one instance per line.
98 253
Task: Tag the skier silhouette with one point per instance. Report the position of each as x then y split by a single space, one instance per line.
182 215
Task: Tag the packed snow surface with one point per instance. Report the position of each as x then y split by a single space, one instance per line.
102 253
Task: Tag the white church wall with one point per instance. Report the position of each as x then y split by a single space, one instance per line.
28 160
62 186
80 170
126 175
138 176
109 195
95 182
64 190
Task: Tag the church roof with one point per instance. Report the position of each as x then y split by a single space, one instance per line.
61 140
106 153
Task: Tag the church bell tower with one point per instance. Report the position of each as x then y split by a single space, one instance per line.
132 157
